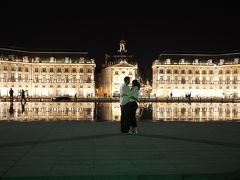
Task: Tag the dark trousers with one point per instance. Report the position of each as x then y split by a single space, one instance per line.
132 108
124 119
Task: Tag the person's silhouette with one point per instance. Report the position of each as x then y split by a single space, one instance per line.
11 94
23 96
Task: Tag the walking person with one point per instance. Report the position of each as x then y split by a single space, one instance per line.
11 94
124 99
132 106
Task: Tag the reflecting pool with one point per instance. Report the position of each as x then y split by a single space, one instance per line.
92 111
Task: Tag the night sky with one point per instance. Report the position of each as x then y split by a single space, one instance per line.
148 29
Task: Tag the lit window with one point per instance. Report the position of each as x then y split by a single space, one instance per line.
44 79
59 78
51 78
183 81
26 77
74 78
66 78
81 78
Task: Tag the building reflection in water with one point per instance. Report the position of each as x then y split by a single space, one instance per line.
112 112
108 111
196 112
56 111
46 111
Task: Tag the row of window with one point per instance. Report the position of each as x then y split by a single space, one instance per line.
74 70
14 78
161 71
123 72
197 80
197 110
44 80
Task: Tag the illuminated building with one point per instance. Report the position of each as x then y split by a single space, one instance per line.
46 74
201 75
114 70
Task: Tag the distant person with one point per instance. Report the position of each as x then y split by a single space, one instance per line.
23 97
75 97
124 99
11 92
133 106
171 94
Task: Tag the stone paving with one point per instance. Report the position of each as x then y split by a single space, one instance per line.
97 151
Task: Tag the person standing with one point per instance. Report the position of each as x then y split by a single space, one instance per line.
11 94
124 99
133 105
23 96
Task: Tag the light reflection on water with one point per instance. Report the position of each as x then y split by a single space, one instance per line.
90 111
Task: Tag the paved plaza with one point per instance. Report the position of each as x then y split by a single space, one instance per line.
97 151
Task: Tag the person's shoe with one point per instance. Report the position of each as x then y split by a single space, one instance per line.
135 130
130 130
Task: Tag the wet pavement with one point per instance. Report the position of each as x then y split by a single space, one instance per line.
96 150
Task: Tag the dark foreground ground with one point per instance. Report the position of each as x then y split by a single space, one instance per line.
97 151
